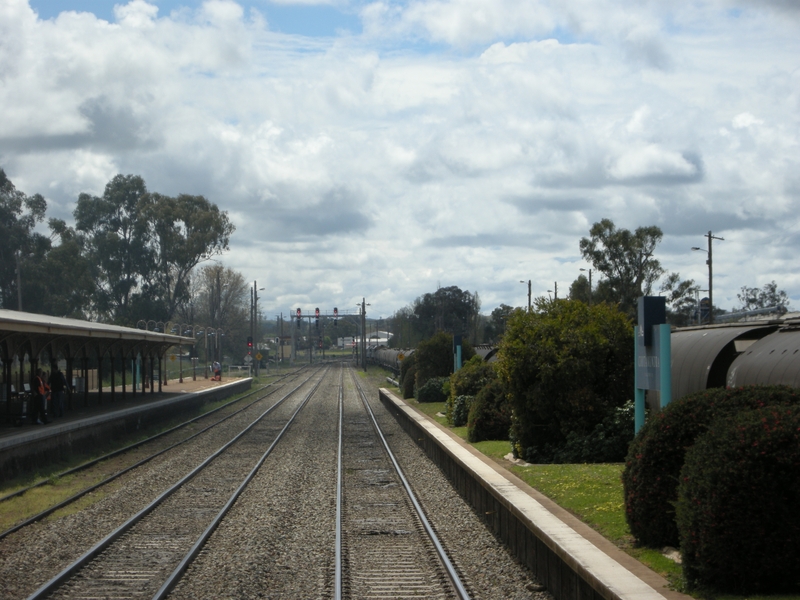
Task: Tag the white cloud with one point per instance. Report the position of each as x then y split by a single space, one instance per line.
454 142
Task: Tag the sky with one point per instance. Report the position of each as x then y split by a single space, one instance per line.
380 149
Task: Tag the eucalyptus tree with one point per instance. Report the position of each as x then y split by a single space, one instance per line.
144 246
20 245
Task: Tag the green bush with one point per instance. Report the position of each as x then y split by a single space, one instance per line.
461 406
490 414
468 381
565 366
409 362
407 382
607 443
434 357
656 455
738 504
433 390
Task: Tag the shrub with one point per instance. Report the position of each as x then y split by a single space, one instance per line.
490 414
565 367
738 504
460 412
434 357
468 381
656 455
432 391
607 443
407 382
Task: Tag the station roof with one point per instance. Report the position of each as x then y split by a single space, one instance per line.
17 328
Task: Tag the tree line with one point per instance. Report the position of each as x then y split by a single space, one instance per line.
625 266
132 255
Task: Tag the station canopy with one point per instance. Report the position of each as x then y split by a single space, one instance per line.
30 333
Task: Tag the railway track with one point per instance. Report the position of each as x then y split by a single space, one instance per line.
386 547
150 551
259 519
171 438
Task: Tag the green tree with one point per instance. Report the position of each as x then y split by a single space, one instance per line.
144 246
680 299
434 357
447 309
184 232
625 259
61 281
20 246
565 366
117 241
497 325
768 296
579 290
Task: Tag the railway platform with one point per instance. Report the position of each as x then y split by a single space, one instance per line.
25 447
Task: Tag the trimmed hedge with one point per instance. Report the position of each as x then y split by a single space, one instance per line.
656 455
461 406
407 382
433 390
739 504
490 414
468 381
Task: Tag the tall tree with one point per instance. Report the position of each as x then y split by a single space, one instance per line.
184 231
499 319
625 259
219 299
117 244
447 309
680 298
768 296
20 246
144 246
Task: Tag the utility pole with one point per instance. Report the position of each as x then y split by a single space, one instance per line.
255 323
529 293
363 331
710 273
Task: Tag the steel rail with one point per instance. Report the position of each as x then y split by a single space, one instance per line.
57 581
452 574
119 451
48 511
176 575
337 591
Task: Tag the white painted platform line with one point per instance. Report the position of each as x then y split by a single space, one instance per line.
566 541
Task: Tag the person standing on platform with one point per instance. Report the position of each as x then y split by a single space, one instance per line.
58 384
217 371
40 395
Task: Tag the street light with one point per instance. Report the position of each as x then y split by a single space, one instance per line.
555 293
709 262
529 293
590 284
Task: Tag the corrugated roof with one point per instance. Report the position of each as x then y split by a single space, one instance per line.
12 321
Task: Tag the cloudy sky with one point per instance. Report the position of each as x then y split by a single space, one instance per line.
383 148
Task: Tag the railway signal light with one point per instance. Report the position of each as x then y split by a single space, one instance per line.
299 316
335 316
316 316
249 341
